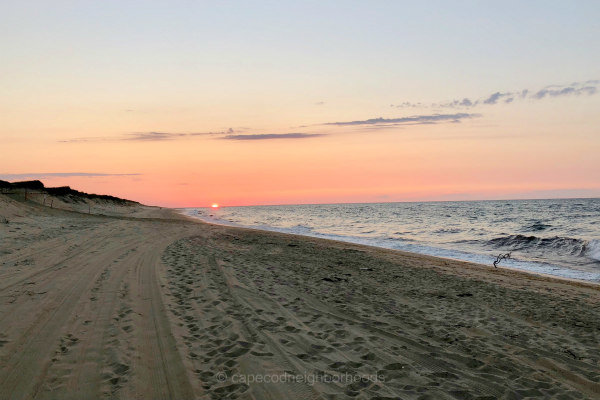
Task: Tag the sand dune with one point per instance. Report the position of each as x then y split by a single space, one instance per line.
153 306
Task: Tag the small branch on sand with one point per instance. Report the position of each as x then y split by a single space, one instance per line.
500 258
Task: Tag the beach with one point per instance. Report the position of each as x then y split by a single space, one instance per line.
144 303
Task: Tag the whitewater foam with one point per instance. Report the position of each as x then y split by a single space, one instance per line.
593 249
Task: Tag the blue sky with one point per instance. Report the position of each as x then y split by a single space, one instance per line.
375 46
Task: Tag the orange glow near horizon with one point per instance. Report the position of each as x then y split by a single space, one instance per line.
192 105
418 163
215 205
506 154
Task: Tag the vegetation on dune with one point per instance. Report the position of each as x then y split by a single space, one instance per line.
61 191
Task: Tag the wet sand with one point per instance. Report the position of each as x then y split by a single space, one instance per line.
145 304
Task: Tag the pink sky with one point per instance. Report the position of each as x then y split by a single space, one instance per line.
240 105
477 158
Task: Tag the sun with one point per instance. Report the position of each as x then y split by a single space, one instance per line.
215 205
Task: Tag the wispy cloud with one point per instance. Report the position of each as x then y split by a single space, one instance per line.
412 120
269 136
37 175
151 136
88 139
494 97
229 134
408 104
574 89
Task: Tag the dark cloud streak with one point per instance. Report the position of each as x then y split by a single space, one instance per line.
269 136
413 120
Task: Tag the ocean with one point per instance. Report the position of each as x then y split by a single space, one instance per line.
559 237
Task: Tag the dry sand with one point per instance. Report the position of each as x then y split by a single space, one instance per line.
153 306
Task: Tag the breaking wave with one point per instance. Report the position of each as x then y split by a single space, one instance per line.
563 245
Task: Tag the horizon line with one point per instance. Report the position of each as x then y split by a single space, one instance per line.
391 202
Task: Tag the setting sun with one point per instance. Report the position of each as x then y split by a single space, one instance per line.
215 205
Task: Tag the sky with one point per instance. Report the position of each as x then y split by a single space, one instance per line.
189 103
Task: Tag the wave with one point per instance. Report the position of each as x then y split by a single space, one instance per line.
564 245
443 231
536 227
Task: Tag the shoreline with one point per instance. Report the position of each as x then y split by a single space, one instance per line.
468 263
147 303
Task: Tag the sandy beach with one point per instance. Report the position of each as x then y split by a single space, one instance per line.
142 303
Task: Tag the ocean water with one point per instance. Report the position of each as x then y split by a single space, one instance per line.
556 237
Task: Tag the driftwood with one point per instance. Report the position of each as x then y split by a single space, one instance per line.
500 258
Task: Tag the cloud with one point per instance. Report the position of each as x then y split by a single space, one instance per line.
160 136
576 89
407 104
589 88
493 98
59 174
229 134
465 102
87 139
268 136
153 136
413 120
150 136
